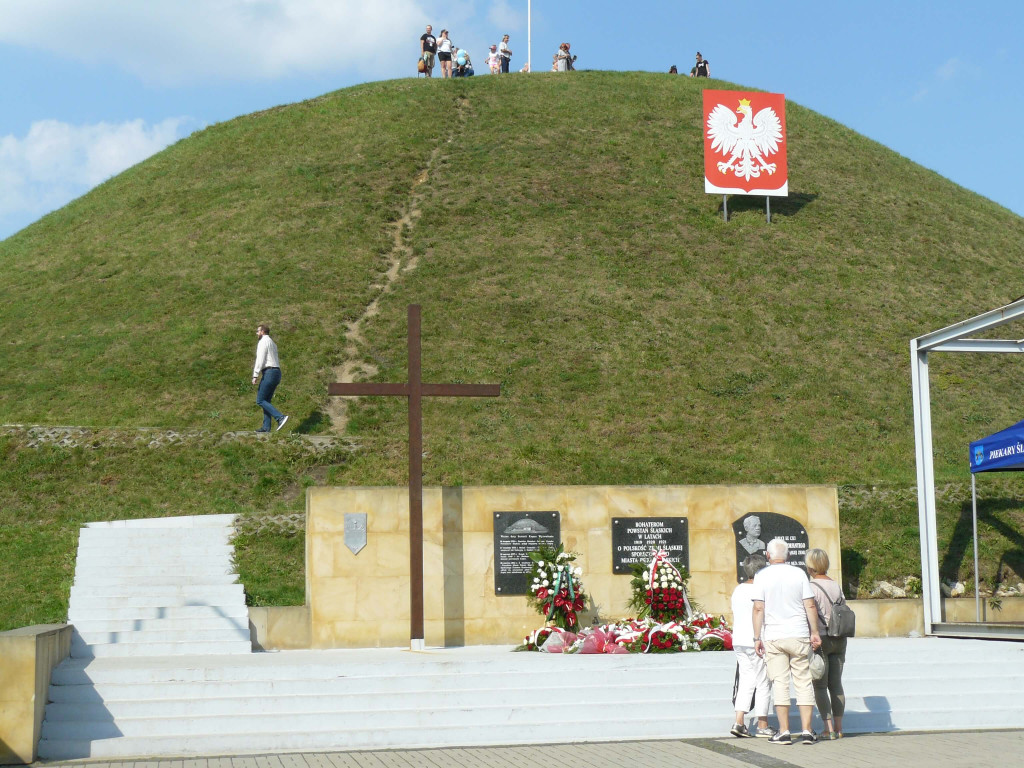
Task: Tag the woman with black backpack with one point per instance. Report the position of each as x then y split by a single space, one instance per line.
828 691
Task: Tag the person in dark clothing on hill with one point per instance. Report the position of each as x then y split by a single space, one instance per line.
702 68
428 47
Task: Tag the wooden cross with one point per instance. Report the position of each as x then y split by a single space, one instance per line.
415 389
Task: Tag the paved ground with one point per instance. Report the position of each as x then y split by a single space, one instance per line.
944 749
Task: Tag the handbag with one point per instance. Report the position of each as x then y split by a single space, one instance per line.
842 622
817 664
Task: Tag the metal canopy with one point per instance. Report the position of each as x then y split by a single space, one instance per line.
954 338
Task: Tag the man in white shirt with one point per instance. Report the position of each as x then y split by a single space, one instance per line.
268 365
504 53
785 621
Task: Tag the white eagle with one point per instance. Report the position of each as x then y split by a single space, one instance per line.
749 142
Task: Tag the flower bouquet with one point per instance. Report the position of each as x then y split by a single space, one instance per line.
535 640
556 590
703 632
659 590
711 633
666 623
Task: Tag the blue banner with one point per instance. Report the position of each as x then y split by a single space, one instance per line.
999 452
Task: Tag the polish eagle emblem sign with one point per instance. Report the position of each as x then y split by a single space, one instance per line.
745 143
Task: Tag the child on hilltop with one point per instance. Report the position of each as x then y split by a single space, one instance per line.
493 60
463 64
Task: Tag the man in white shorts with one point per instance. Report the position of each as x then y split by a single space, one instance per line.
785 629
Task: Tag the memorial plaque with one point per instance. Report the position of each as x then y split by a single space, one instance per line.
753 532
516 534
637 539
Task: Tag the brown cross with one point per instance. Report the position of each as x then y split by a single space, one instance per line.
415 389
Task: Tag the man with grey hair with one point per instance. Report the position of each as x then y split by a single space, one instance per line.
785 620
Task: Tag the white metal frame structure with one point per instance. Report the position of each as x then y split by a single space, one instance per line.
954 338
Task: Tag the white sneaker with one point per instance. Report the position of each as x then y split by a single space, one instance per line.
282 423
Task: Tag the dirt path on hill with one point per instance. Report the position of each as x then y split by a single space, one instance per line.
399 261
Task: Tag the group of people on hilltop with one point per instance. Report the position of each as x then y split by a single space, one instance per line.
701 69
455 61
780 614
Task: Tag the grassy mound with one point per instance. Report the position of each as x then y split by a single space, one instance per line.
556 232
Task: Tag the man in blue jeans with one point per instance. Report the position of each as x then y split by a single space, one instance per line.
268 364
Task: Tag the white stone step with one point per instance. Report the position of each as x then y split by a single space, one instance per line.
185 521
90 600
358 736
132 550
206 682
180 648
90 536
225 592
139 563
212 632
81 616
324 714
373 692
103 579
169 571
133 555
211 620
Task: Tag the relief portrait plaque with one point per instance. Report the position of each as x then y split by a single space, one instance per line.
754 530
516 534
355 531
637 539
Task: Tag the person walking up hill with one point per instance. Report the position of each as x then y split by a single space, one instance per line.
268 371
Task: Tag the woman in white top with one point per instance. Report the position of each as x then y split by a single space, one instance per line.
752 682
828 691
444 53
563 58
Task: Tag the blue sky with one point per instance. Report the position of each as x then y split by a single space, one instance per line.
90 87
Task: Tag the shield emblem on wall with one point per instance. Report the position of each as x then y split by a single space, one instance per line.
355 531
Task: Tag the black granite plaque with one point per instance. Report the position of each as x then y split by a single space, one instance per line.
637 539
516 534
753 532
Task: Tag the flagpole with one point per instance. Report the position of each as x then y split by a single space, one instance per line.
529 37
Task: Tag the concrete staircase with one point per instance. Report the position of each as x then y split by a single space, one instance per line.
347 700
161 587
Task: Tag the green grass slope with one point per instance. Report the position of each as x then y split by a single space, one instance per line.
560 243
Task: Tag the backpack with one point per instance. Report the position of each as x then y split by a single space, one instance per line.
843 621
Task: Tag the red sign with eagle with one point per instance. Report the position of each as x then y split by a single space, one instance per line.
745 143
